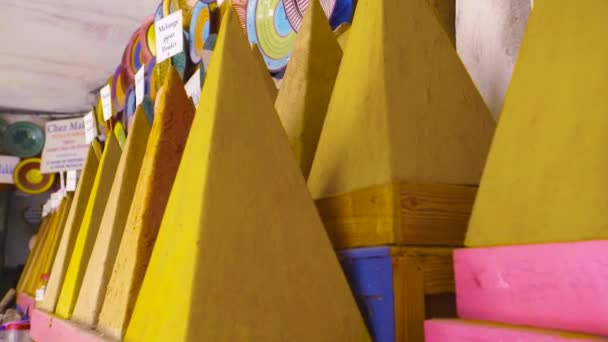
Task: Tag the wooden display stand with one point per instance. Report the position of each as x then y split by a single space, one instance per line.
398 214
464 331
395 286
46 327
405 278
555 286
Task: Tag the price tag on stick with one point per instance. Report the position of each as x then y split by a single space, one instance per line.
71 181
106 102
90 129
193 87
169 36
139 86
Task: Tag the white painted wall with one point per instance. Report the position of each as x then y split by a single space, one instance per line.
488 36
53 53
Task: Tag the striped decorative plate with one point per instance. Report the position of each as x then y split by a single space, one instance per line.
29 179
269 28
147 38
338 11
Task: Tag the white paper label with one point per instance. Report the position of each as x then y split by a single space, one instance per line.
40 294
55 200
71 181
45 209
193 87
106 102
169 36
62 184
90 129
139 86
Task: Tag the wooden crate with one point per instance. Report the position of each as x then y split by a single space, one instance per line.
400 214
397 288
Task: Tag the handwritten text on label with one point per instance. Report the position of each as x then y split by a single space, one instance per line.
106 102
169 37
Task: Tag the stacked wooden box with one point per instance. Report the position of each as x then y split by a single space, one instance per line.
537 265
395 169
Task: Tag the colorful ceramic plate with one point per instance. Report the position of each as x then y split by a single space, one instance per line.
29 179
181 61
146 52
158 14
128 70
269 28
338 11
118 92
23 139
201 27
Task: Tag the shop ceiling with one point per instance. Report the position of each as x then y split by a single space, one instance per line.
55 54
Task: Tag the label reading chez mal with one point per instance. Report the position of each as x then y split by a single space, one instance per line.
64 147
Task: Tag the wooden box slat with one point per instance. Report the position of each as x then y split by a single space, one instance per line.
399 213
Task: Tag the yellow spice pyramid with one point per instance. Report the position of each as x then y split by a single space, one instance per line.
403 108
341 33
308 84
264 74
545 180
166 143
71 228
30 257
242 254
49 248
28 284
88 228
101 263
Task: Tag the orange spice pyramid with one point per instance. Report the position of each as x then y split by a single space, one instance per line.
173 116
